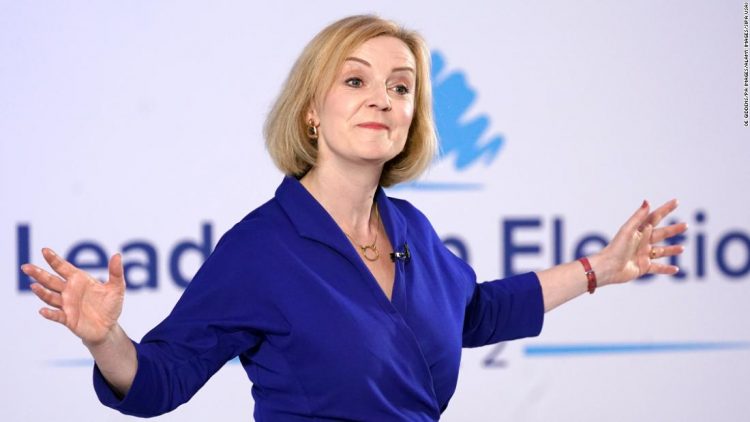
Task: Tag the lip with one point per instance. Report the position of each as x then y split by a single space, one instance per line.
373 125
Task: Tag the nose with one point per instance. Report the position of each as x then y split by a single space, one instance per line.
380 99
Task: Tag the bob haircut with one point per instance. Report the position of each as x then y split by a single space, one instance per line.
314 73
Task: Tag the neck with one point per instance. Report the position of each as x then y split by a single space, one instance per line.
347 194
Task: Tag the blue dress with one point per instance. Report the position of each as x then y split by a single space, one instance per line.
287 292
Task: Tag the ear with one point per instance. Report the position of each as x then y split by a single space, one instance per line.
312 114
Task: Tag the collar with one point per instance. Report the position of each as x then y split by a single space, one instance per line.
312 221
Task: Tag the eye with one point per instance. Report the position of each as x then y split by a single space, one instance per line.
354 82
401 89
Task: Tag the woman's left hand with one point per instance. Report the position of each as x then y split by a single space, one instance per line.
635 249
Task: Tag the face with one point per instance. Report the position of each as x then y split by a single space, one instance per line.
365 115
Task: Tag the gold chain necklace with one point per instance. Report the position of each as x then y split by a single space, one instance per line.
370 252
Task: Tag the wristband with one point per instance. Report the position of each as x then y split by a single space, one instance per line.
590 274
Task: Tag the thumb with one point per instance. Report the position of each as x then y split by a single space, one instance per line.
116 272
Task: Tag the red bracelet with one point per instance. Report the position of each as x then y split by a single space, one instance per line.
590 274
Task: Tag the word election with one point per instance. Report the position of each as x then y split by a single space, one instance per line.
522 240
730 250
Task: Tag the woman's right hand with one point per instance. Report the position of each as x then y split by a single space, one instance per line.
88 307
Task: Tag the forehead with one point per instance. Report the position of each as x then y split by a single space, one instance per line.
385 51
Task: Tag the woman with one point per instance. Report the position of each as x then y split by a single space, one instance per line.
341 303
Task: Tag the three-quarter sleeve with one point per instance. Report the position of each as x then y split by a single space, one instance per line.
499 310
505 309
222 313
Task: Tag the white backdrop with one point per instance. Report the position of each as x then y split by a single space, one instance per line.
140 121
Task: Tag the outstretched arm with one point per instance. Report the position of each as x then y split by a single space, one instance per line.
631 254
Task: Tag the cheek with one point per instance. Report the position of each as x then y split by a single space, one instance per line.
407 114
405 111
337 108
410 112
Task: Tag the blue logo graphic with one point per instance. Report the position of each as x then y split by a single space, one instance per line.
464 141
461 141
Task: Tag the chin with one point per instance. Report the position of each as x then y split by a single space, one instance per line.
379 156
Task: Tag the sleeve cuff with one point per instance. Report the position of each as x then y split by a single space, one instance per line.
502 310
528 304
140 400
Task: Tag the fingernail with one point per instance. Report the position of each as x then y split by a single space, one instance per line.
645 204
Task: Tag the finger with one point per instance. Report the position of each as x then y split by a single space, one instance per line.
657 268
60 265
116 272
53 315
667 232
663 251
47 296
655 218
641 256
644 246
636 220
44 278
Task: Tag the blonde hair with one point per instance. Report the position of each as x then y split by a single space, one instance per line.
314 72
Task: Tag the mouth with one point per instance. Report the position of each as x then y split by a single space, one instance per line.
373 125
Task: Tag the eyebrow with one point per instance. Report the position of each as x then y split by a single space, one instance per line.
366 63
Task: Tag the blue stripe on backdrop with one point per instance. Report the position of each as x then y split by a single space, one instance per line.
84 362
548 350
437 186
539 350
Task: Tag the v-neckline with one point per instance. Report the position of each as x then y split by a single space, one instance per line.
312 220
381 256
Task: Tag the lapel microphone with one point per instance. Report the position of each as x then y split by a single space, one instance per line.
404 255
